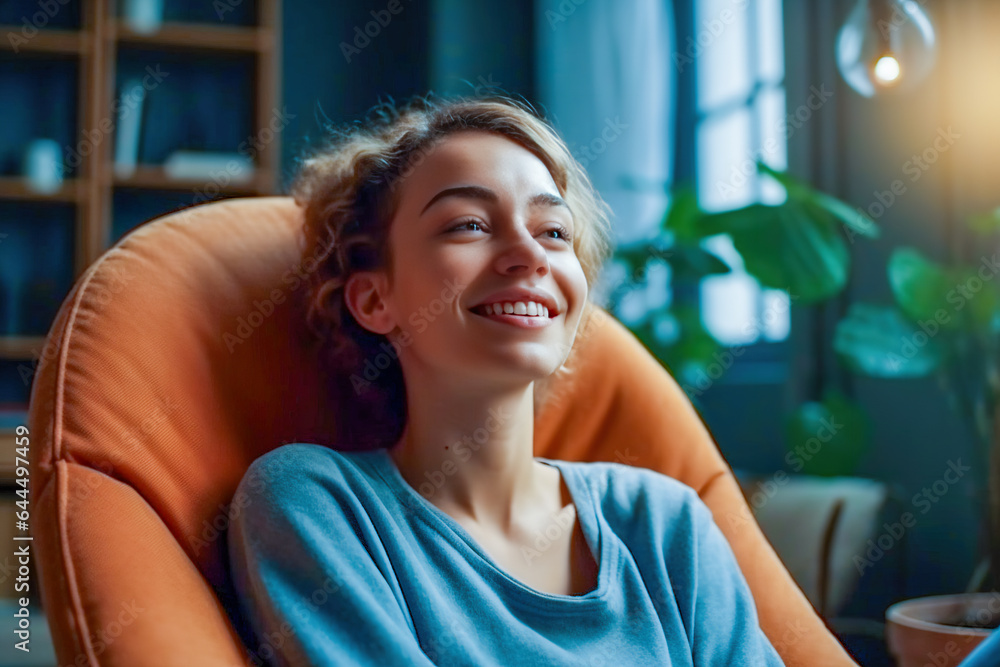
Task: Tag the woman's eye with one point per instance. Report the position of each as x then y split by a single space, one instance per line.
465 224
561 231
469 224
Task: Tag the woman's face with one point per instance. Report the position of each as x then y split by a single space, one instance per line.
481 215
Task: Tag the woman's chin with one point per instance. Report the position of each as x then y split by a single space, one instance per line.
520 367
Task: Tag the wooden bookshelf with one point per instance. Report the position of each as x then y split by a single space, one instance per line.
155 178
197 39
8 440
20 347
194 36
72 190
93 199
9 421
46 41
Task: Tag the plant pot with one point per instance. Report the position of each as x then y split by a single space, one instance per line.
940 630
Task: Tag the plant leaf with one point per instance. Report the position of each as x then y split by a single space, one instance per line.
829 437
853 218
688 260
748 218
691 350
879 341
684 215
638 254
786 247
921 287
981 297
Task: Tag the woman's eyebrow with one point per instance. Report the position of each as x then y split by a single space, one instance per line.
485 194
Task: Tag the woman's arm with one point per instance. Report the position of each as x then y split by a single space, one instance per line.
307 583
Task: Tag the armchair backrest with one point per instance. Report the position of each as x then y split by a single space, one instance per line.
181 355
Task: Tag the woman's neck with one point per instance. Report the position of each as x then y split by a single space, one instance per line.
473 457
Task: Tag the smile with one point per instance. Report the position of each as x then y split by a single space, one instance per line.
525 321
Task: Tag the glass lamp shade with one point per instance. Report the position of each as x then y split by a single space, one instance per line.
885 45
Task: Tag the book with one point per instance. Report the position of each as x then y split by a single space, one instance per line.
130 103
223 168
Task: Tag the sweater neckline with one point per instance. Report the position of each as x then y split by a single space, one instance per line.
594 533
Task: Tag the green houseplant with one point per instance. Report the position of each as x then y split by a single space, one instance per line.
800 245
944 322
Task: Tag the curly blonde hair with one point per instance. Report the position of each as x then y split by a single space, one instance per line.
348 192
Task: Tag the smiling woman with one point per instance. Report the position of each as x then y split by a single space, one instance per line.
350 191
435 536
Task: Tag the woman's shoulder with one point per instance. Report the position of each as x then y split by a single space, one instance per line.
298 503
292 454
288 460
295 471
623 489
628 480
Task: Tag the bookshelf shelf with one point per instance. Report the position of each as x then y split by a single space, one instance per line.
20 347
8 453
44 41
197 36
12 187
156 178
8 443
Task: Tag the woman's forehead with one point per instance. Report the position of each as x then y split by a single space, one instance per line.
476 159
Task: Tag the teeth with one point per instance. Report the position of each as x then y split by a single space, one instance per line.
529 308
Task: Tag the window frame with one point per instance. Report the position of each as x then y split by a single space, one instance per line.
761 361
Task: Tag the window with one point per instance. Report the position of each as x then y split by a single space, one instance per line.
739 115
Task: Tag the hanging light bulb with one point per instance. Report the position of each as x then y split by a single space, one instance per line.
886 70
885 45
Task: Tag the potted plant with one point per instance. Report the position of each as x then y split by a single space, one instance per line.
945 322
800 246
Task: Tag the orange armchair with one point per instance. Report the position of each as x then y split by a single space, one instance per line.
181 355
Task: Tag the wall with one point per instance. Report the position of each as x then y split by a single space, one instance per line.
330 72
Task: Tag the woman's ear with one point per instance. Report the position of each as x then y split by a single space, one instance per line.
363 296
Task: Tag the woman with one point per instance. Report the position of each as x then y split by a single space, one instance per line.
465 242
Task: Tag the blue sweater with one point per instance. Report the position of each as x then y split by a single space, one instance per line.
337 560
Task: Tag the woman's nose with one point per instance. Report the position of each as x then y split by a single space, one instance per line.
523 252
